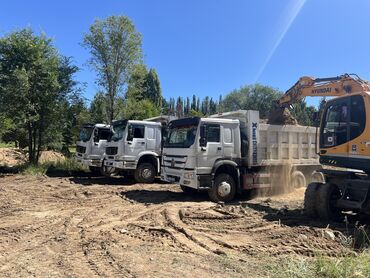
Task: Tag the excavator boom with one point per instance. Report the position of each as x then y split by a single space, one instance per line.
331 86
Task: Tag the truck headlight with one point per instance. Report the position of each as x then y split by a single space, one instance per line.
188 175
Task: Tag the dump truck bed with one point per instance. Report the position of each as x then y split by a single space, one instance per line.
287 144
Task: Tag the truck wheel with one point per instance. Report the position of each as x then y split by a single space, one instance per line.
223 189
188 190
298 180
328 194
95 170
145 173
107 171
310 199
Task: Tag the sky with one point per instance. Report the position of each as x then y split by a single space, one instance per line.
211 47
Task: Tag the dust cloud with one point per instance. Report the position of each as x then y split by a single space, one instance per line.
280 181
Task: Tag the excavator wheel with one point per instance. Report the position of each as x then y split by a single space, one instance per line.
327 195
310 199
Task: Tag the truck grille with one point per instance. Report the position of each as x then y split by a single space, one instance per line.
80 149
174 161
111 150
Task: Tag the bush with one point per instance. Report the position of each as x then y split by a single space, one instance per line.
67 167
349 266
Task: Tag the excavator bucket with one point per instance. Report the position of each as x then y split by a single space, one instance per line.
281 116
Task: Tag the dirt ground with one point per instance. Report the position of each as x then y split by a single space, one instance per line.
14 156
89 227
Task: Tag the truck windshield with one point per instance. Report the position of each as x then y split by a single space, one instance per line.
85 133
118 131
181 136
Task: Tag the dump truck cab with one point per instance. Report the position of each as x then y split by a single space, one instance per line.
231 152
135 148
91 145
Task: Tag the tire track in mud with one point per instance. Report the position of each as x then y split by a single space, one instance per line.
264 236
65 229
102 262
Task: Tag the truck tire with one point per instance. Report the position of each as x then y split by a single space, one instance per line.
223 188
328 194
298 179
188 190
95 170
145 173
107 171
310 199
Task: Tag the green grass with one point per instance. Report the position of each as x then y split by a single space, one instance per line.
72 149
351 266
65 167
6 145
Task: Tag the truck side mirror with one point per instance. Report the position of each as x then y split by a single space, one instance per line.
130 134
203 142
203 136
96 135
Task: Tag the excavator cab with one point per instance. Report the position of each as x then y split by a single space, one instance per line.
341 133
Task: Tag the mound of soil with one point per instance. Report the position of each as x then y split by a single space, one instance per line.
12 156
51 156
281 116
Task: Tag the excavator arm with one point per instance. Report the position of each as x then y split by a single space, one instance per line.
332 86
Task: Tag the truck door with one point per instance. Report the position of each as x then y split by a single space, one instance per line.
209 147
135 142
150 137
100 137
228 141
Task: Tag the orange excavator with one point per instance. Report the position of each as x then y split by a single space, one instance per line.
344 144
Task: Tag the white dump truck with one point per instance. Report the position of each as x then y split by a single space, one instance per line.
91 146
231 152
135 149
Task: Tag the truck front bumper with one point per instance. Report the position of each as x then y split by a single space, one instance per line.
89 162
120 164
185 178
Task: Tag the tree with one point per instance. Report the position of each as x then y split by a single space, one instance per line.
212 107
72 107
138 83
193 113
10 133
154 91
187 107
302 112
115 47
30 87
179 107
194 103
220 105
140 110
98 109
198 105
252 97
165 110
205 105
